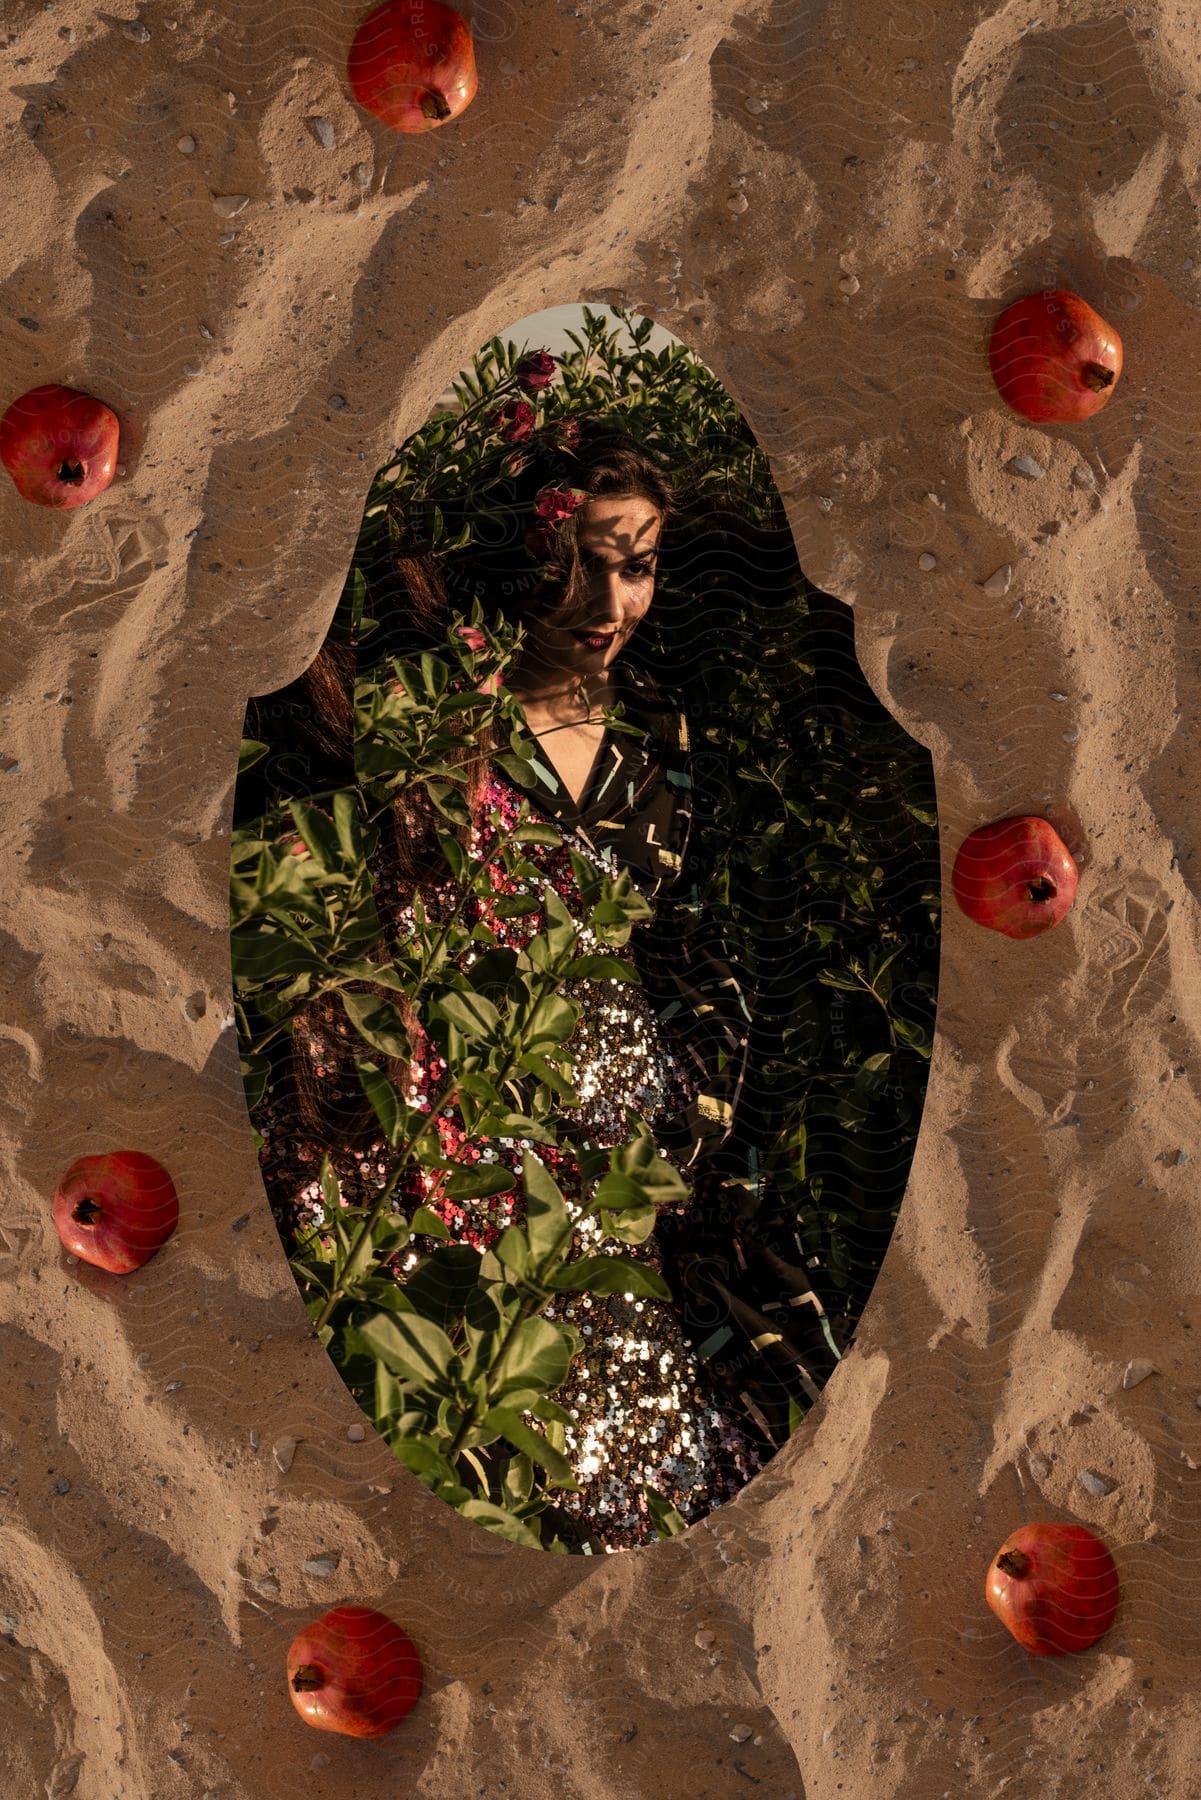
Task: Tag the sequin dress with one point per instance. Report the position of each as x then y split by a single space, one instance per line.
642 1406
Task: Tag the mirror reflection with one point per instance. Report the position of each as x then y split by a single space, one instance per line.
584 938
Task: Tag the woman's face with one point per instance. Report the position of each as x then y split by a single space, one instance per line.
618 544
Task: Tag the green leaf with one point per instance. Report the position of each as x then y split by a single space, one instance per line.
543 1407
523 1437
538 1355
834 978
493 970
470 1014
509 1124
562 930
358 1262
478 1180
390 1234
357 584
513 1249
378 1022
480 1471
346 826
603 968
361 968
666 1520
633 1226
427 1223
504 1524
263 956
438 1287
534 832
610 1275
434 672
388 1397
422 1456
914 1035
414 1346
534 1063
515 906
256 1072
547 1223
331 1193
517 1479
553 1020
318 834
384 1099
249 752
660 1182
454 853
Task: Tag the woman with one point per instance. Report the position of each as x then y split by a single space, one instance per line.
577 566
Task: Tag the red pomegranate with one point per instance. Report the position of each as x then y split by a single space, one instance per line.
1016 876
1055 1587
412 64
1053 358
116 1210
353 1670
59 445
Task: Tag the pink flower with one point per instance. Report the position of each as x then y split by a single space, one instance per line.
473 637
535 371
515 421
565 433
555 503
491 684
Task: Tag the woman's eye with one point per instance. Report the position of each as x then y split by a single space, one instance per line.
637 570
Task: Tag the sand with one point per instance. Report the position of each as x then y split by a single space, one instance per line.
952 158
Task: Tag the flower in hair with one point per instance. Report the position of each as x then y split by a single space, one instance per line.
550 506
555 503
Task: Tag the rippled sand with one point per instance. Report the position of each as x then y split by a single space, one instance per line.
825 1635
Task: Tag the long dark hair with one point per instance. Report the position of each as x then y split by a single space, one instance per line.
413 594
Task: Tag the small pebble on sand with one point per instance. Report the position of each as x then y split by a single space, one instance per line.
321 1565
